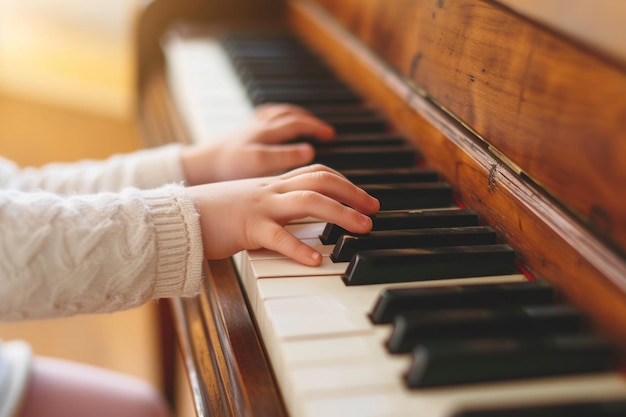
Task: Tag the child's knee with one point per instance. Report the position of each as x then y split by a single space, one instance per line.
68 389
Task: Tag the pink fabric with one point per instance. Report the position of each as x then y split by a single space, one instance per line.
59 388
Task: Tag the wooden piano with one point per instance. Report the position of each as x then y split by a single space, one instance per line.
523 116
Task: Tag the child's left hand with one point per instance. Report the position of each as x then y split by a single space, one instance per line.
258 149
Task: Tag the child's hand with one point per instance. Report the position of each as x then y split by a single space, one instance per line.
250 214
257 149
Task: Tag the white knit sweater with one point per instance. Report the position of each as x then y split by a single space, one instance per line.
74 238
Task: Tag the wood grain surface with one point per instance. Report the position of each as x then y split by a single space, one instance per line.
548 240
553 107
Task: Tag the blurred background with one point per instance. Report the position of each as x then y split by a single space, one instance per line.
66 93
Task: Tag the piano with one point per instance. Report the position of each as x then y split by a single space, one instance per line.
495 280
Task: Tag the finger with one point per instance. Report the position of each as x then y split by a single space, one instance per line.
275 237
331 185
309 169
291 126
301 204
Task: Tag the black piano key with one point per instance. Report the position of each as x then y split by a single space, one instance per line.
297 83
366 157
242 36
281 71
490 360
371 139
412 329
411 196
356 124
403 265
329 110
295 91
301 96
390 175
254 71
298 61
253 45
246 76
406 219
256 36
264 50
348 245
599 408
399 300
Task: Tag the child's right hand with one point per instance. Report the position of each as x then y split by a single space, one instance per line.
252 213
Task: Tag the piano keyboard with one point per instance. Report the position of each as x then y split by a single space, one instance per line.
470 334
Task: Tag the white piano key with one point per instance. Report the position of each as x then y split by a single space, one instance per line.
369 404
205 88
325 250
536 391
298 286
308 219
333 284
339 349
286 267
444 402
306 230
314 316
309 234
350 376
252 270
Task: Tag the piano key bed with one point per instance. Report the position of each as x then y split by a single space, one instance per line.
428 315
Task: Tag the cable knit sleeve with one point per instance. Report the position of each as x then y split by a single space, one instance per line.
64 255
145 169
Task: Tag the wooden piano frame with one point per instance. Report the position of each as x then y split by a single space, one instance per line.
528 126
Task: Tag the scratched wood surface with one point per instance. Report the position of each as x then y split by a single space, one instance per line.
548 240
553 107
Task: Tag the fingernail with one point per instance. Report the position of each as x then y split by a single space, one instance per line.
316 256
376 203
365 220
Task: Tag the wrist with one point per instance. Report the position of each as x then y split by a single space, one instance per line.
197 162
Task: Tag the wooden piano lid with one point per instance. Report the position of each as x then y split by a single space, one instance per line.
528 125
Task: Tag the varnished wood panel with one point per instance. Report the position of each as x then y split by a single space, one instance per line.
556 109
226 366
546 238
225 362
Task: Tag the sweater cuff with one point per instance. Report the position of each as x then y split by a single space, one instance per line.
178 242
